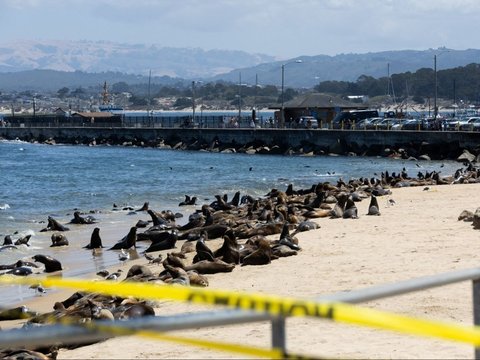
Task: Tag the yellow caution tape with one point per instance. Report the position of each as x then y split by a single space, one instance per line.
273 305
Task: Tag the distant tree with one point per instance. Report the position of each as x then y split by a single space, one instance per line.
182 102
63 92
138 101
120 87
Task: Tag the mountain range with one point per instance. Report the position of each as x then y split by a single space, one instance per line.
49 65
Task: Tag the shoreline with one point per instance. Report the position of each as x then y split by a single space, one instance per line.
417 235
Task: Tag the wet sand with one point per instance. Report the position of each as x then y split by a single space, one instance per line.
418 235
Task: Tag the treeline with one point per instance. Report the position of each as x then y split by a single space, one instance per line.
461 83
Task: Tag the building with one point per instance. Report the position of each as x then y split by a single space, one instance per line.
321 106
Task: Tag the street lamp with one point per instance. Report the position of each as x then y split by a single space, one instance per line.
193 101
282 112
435 109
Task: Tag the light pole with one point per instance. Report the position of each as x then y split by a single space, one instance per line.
193 101
282 112
239 97
435 109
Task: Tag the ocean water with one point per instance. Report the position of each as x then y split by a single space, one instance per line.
40 180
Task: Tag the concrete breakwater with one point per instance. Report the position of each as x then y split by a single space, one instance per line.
406 144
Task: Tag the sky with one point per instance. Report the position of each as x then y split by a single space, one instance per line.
281 28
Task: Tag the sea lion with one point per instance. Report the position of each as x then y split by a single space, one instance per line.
166 242
213 231
261 256
338 209
21 312
139 270
54 225
188 201
23 240
197 279
141 224
228 252
20 271
130 311
373 208
178 275
174 261
95 240
351 211
305 226
59 240
127 241
144 207
51 264
203 251
210 267
7 240
281 250
466 215
78 219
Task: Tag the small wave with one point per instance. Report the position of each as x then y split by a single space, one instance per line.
4 207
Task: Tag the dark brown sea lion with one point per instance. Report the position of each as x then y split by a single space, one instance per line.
228 252
466 215
20 271
281 250
144 207
351 211
261 256
8 240
95 240
338 209
137 270
165 242
23 240
127 241
203 251
78 219
178 275
213 231
131 311
51 264
59 240
210 267
188 201
373 208
54 225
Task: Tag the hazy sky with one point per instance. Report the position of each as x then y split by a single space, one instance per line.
282 28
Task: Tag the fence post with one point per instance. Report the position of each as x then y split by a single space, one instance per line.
476 309
278 333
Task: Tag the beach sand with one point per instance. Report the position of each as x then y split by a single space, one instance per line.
418 235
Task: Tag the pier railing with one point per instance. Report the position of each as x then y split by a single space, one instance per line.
42 336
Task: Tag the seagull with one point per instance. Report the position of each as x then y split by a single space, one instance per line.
149 257
113 276
157 260
38 288
124 256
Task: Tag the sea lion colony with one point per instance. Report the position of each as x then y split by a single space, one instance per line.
254 232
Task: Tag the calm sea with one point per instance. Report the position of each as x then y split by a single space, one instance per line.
41 180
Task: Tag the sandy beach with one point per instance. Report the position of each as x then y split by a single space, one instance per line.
416 235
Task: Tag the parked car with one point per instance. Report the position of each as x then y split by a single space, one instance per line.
472 124
412 124
308 122
458 123
386 124
368 124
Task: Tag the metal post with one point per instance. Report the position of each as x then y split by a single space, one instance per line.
435 72
282 111
278 333
239 97
476 309
193 101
